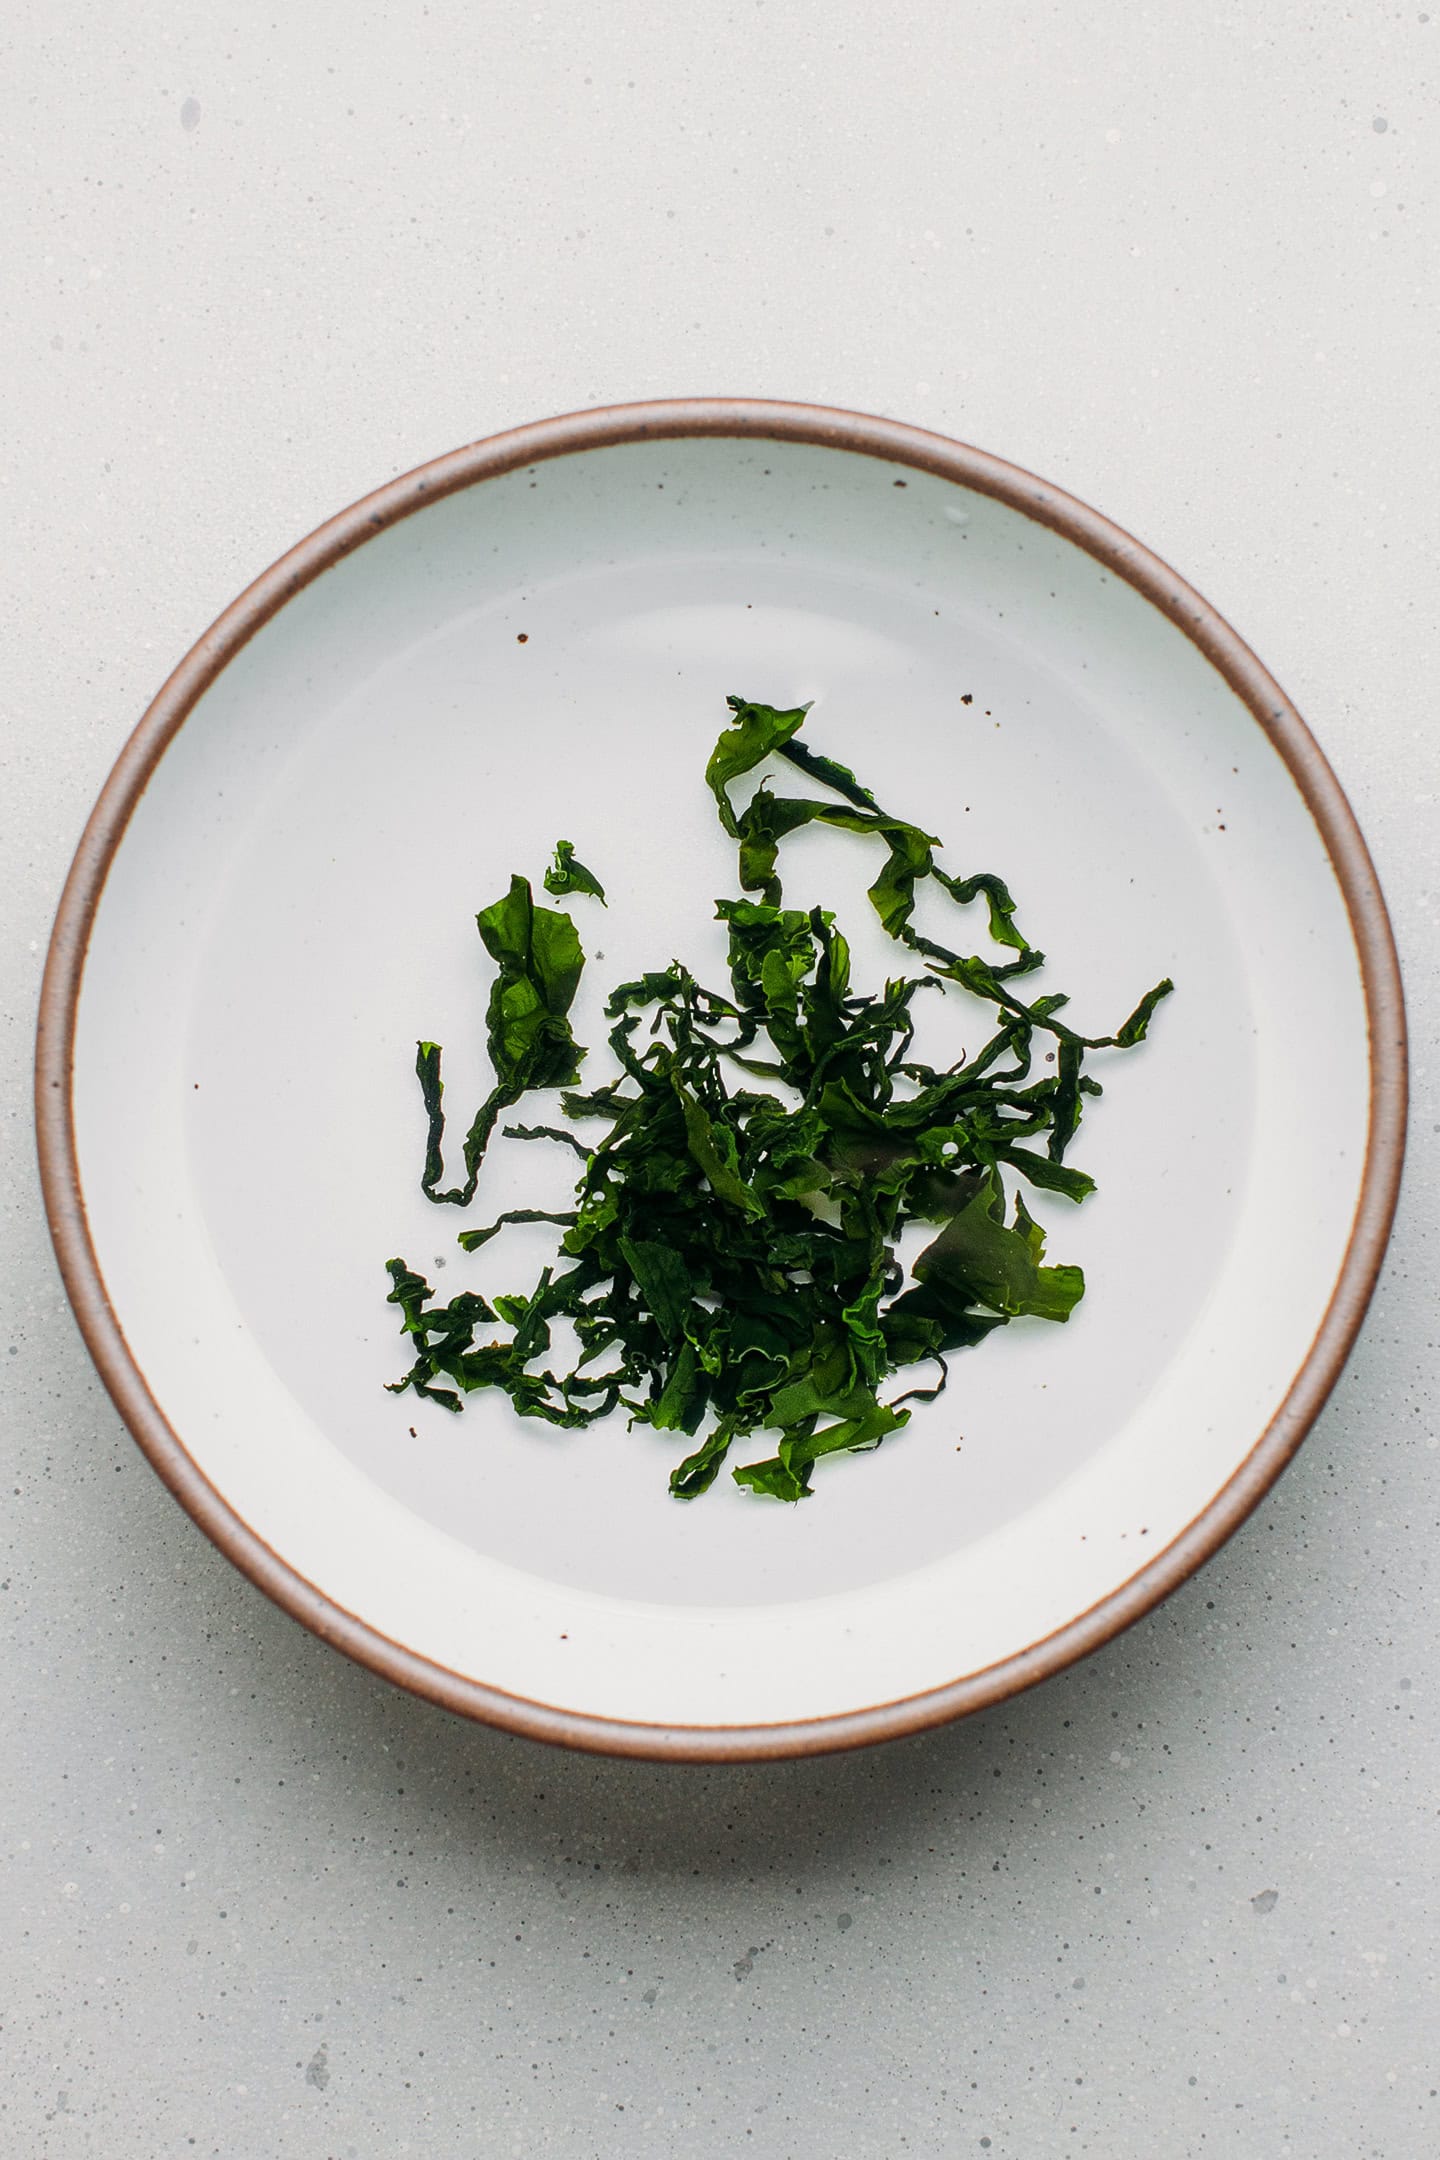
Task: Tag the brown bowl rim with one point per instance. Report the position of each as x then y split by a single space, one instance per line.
910 447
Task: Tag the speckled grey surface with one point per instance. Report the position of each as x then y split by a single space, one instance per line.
1183 1899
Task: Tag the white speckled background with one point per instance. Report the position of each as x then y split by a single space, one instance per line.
1182 260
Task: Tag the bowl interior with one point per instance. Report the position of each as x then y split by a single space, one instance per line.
547 654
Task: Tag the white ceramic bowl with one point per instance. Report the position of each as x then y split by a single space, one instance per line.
532 638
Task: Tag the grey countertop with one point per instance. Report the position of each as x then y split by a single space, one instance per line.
1181 1900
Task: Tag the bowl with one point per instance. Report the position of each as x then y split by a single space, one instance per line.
534 637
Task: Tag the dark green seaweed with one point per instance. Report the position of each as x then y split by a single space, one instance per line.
731 1257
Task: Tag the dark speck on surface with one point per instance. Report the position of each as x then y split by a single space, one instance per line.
190 114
